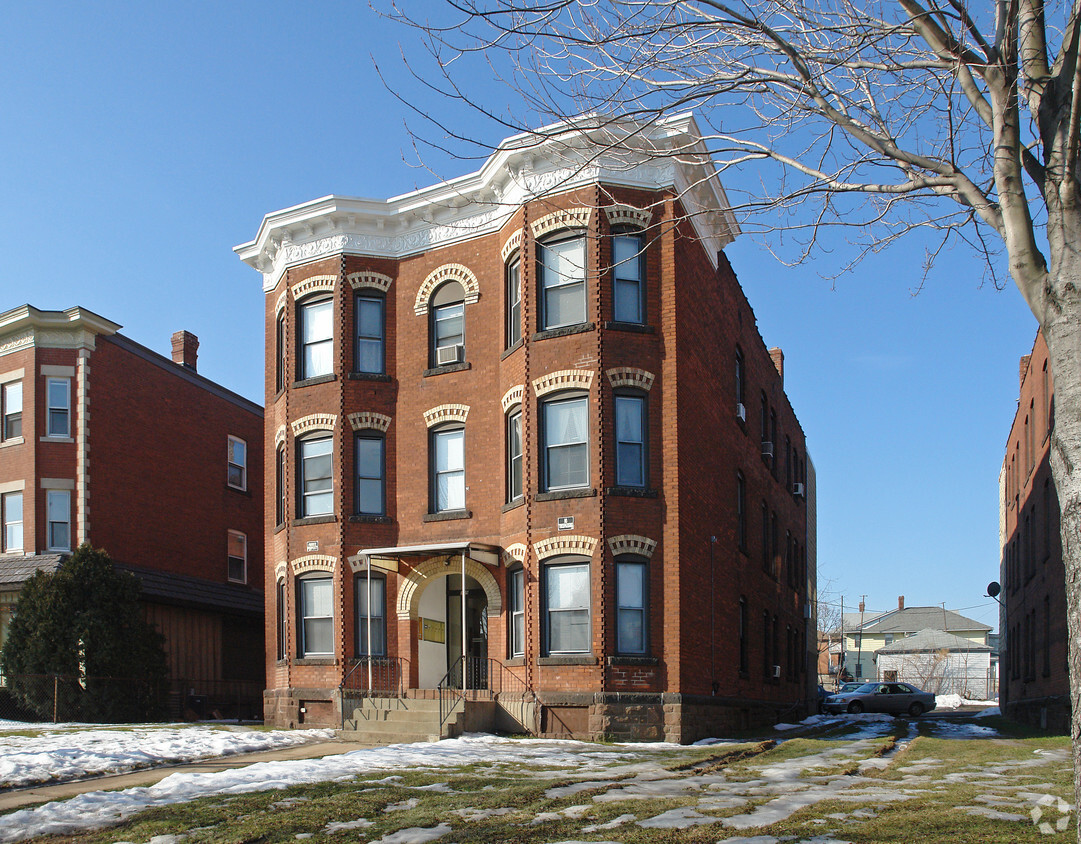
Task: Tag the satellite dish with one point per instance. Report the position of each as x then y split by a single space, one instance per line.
993 589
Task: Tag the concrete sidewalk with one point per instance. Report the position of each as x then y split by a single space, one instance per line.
36 794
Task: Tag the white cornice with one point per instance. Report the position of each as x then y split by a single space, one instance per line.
668 154
73 328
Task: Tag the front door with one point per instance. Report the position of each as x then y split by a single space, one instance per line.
476 633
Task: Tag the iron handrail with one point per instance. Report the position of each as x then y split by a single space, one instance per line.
387 677
483 676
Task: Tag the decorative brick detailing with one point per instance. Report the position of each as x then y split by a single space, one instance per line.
313 562
514 242
628 215
279 571
315 422
411 586
446 413
316 283
570 218
514 554
370 279
564 379
556 545
448 272
279 436
369 419
629 376
513 396
630 543
279 306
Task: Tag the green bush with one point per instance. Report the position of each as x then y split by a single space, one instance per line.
86 612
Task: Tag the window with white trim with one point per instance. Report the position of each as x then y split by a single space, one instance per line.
315 612
630 440
448 469
238 557
11 411
279 485
631 600
514 301
238 463
514 455
58 411
58 519
369 326
567 607
516 607
11 514
447 330
316 336
565 463
283 642
628 278
561 266
279 352
316 481
378 615
369 496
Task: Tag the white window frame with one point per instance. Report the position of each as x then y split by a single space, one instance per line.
627 272
379 618
229 557
303 619
641 608
552 280
551 569
232 462
9 546
515 459
304 312
51 496
303 478
6 390
449 505
50 407
548 446
516 601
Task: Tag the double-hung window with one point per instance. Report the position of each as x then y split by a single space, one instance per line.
448 469
279 486
11 512
316 476
628 278
566 443
11 408
514 301
316 338
238 557
238 463
316 611
448 325
516 599
741 511
562 268
631 627
58 396
58 517
279 352
566 615
630 440
283 641
369 490
371 615
514 455
368 316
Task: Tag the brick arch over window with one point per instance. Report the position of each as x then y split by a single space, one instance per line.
514 554
315 422
313 562
558 545
628 215
630 543
411 587
512 397
448 272
514 242
564 379
315 284
279 306
279 571
446 413
629 376
279 436
369 420
378 281
570 218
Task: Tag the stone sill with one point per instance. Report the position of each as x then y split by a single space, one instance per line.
565 331
632 660
511 349
631 492
369 376
447 516
318 379
315 660
312 520
561 494
579 659
370 519
450 367
513 505
636 327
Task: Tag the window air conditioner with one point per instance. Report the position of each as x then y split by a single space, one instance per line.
741 412
767 449
776 672
449 354
797 489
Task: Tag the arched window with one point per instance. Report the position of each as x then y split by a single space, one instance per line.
567 606
447 327
315 338
632 606
561 269
315 480
371 614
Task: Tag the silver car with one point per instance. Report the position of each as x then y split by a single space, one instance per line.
892 698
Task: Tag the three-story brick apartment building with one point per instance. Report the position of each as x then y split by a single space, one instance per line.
106 442
1034 683
521 427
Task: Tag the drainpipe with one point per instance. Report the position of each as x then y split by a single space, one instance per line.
463 620
368 557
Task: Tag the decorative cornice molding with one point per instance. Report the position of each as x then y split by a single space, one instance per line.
279 436
513 396
513 244
629 376
563 379
446 413
568 218
448 272
315 422
515 553
628 215
630 543
554 546
314 562
370 279
368 419
19 340
315 284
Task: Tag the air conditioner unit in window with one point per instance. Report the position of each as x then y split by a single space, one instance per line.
776 672
797 489
449 354
741 412
767 449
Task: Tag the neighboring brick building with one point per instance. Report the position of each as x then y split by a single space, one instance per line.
543 376
1034 684
106 442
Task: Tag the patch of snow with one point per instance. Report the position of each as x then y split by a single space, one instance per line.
955 701
992 814
415 835
342 826
681 818
481 814
991 710
411 803
612 824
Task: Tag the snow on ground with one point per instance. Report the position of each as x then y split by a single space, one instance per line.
63 752
956 701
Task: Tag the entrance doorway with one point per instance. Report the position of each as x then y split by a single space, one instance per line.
440 649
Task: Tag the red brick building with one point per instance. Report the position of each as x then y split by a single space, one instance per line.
543 378
1034 684
106 442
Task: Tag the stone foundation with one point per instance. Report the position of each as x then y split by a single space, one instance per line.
290 709
1050 713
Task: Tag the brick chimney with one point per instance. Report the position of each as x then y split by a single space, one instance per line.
185 349
778 361
900 602
1024 368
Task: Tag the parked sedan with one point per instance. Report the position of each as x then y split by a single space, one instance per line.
892 698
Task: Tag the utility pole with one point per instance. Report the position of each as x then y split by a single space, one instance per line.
859 639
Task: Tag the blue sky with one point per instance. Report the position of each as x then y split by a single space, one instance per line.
141 142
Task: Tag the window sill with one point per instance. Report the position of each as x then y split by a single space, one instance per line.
565 331
513 505
243 582
312 520
447 516
510 350
315 660
561 494
631 492
515 662
57 440
279 528
450 367
12 441
318 379
369 376
636 327
369 519
632 660
570 659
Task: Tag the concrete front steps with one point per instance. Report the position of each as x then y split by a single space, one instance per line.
381 720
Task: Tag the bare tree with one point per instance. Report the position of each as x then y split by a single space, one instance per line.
957 119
